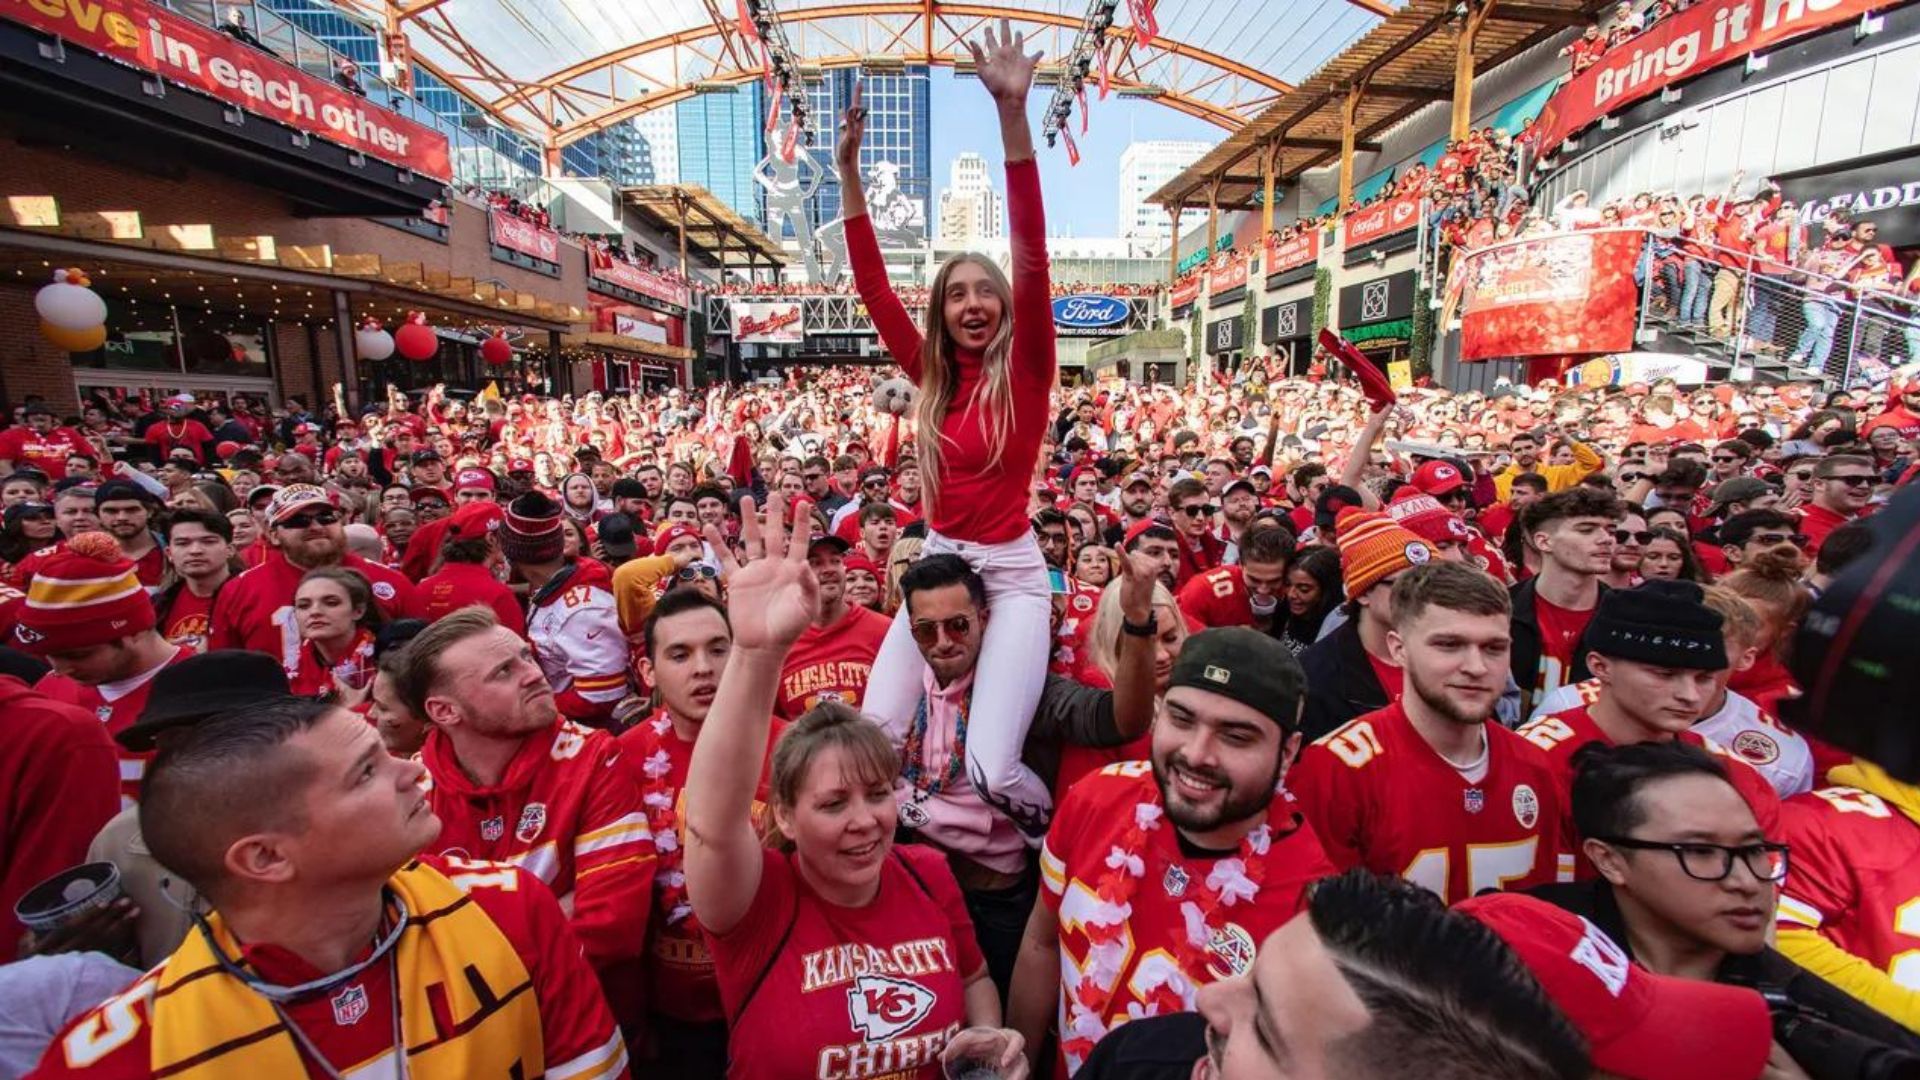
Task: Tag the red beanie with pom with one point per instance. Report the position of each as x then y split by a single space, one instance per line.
84 596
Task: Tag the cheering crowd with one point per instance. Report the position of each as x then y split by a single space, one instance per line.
1253 728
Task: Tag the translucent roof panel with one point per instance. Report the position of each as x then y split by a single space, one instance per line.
561 69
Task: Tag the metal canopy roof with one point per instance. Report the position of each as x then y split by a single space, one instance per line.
712 230
558 70
1406 62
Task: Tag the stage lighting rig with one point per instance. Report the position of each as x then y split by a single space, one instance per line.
1077 66
785 65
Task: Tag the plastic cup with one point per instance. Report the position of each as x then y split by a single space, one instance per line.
68 895
974 1054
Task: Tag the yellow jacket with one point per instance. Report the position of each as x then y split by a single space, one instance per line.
1586 462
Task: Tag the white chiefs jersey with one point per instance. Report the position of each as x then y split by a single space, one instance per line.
1741 728
576 638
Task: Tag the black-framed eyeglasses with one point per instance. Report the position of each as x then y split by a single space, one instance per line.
307 521
1702 861
1200 509
813 477
1632 477
1629 536
928 631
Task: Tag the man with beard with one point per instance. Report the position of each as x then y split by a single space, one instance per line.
41 444
86 614
1573 532
1190 859
1246 594
303 532
516 782
831 659
688 640
1239 501
126 514
200 551
1136 502
328 946
1427 788
1156 540
1526 446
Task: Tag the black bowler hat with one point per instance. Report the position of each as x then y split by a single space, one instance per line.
198 687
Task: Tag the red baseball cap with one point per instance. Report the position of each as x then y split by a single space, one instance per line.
1638 1025
473 478
1437 478
1138 527
671 531
1912 386
519 464
861 562
416 494
475 520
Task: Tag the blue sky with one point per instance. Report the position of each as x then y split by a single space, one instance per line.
1081 200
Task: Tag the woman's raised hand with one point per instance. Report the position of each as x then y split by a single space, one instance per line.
1003 65
773 597
853 129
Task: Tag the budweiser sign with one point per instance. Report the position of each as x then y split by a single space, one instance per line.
638 279
1293 252
149 37
519 234
760 322
1382 219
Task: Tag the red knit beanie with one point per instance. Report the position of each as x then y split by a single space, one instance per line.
86 595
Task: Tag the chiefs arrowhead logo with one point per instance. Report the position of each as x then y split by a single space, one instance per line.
881 1007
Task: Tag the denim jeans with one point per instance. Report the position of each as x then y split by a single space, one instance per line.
1816 340
1763 318
1699 287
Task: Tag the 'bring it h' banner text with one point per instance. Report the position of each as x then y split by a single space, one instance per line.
1679 47
1561 295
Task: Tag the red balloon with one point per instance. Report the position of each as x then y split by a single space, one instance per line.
496 350
416 342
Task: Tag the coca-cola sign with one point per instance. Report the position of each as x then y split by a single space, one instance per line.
518 234
1084 311
1370 223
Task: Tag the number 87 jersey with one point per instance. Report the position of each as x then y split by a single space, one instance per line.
1380 797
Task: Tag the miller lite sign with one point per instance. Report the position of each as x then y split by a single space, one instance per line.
1084 311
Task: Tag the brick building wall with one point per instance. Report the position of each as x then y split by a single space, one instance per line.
32 365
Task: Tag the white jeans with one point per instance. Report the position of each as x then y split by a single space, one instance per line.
1008 678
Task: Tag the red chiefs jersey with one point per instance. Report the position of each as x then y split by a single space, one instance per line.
255 610
1855 877
315 676
1382 798
188 620
1560 735
48 452
1218 597
459 584
117 705
114 1041
848 993
568 810
831 663
1092 822
680 979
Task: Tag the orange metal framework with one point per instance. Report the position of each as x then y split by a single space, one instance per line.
572 103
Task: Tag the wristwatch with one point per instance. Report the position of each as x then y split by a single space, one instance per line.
1145 629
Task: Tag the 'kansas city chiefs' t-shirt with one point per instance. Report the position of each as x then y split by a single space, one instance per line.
874 991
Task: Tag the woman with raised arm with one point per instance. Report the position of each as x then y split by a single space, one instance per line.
985 366
841 951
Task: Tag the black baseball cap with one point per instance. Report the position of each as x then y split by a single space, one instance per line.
1248 666
616 535
200 686
628 488
426 453
120 491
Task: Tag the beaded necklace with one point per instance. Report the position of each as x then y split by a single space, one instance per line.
912 812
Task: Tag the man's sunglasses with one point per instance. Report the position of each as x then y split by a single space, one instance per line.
1853 481
307 521
1629 536
1199 510
957 627
1798 540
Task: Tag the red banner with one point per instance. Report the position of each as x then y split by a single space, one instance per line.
1370 223
519 234
1679 47
151 38
1566 294
1185 291
1229 272
638 279
1292 253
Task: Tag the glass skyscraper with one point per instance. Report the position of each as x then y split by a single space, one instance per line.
721 137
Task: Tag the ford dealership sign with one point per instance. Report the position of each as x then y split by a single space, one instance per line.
1087 312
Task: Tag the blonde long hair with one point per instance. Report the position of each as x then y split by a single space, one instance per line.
939 376
1103 638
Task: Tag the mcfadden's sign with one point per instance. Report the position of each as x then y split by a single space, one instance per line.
149 37
1085 311
1679 47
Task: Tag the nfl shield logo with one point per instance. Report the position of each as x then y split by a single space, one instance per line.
350 1005
1476 800
532 820
1175 882
493 828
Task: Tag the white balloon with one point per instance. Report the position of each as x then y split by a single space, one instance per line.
70 307
375 344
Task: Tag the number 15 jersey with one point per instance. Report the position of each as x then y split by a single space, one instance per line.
1380 797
